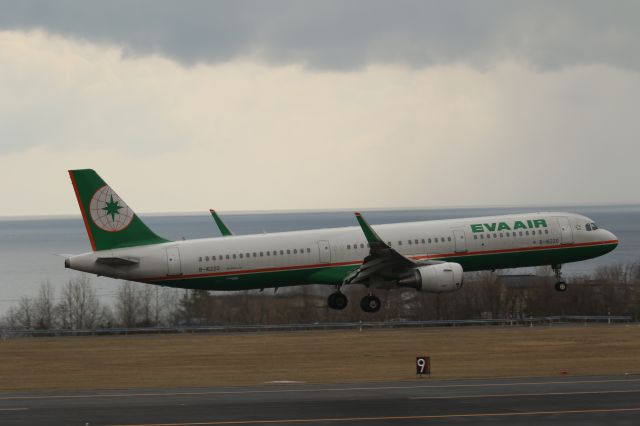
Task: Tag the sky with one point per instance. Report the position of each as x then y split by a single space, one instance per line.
182 106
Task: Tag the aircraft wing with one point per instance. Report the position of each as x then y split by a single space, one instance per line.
383 262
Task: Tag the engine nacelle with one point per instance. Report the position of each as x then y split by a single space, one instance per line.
437 278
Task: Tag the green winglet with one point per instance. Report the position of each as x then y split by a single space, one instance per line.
369 233
223 228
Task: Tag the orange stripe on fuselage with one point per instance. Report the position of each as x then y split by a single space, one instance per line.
552 247
359 262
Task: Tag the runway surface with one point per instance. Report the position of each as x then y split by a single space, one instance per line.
611 400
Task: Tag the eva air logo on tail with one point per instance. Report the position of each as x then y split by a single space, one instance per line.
108 211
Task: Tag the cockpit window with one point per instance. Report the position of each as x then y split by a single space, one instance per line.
591 226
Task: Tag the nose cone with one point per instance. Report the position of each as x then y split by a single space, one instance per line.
610 236
609 239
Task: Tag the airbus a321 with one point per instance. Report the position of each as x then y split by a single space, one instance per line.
428 256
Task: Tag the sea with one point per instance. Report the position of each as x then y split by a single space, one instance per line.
32 250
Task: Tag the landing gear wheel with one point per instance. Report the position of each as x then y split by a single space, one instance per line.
561 286
370 304
337 301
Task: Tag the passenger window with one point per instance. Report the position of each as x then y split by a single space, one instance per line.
308 250
361 245
409 242
234 256
488 236
429 240
399 243
423 241
521 233
227 257
494 236
295 251
546 231
261 254
348 246
482 236
288 251
281 252
255 254
435 240
475 237
526 232
501 235
200 259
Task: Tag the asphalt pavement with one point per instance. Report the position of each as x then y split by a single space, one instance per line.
562 400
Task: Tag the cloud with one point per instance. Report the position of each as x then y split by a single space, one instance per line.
244 135
348 35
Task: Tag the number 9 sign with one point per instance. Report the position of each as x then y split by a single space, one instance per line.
423 365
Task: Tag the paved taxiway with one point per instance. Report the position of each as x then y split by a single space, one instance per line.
550 401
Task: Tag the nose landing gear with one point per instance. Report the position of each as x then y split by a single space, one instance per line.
561 284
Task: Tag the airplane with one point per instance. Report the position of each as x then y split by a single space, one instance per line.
428 256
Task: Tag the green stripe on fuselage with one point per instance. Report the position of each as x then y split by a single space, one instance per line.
335 274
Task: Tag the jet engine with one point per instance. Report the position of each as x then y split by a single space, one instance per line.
436 278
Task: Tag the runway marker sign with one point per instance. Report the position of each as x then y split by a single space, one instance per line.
423 365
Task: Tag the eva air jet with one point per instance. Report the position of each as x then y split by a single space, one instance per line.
427 256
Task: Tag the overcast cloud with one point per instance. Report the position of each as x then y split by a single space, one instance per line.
344 35
186 106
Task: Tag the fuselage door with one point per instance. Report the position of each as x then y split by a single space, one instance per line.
566 233
325 251
460 240
174 266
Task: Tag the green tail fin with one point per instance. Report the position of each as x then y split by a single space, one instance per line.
110 222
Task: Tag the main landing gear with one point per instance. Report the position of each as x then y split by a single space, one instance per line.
370 303
561 284
339 301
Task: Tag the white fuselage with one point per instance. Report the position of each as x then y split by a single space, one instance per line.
325 255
